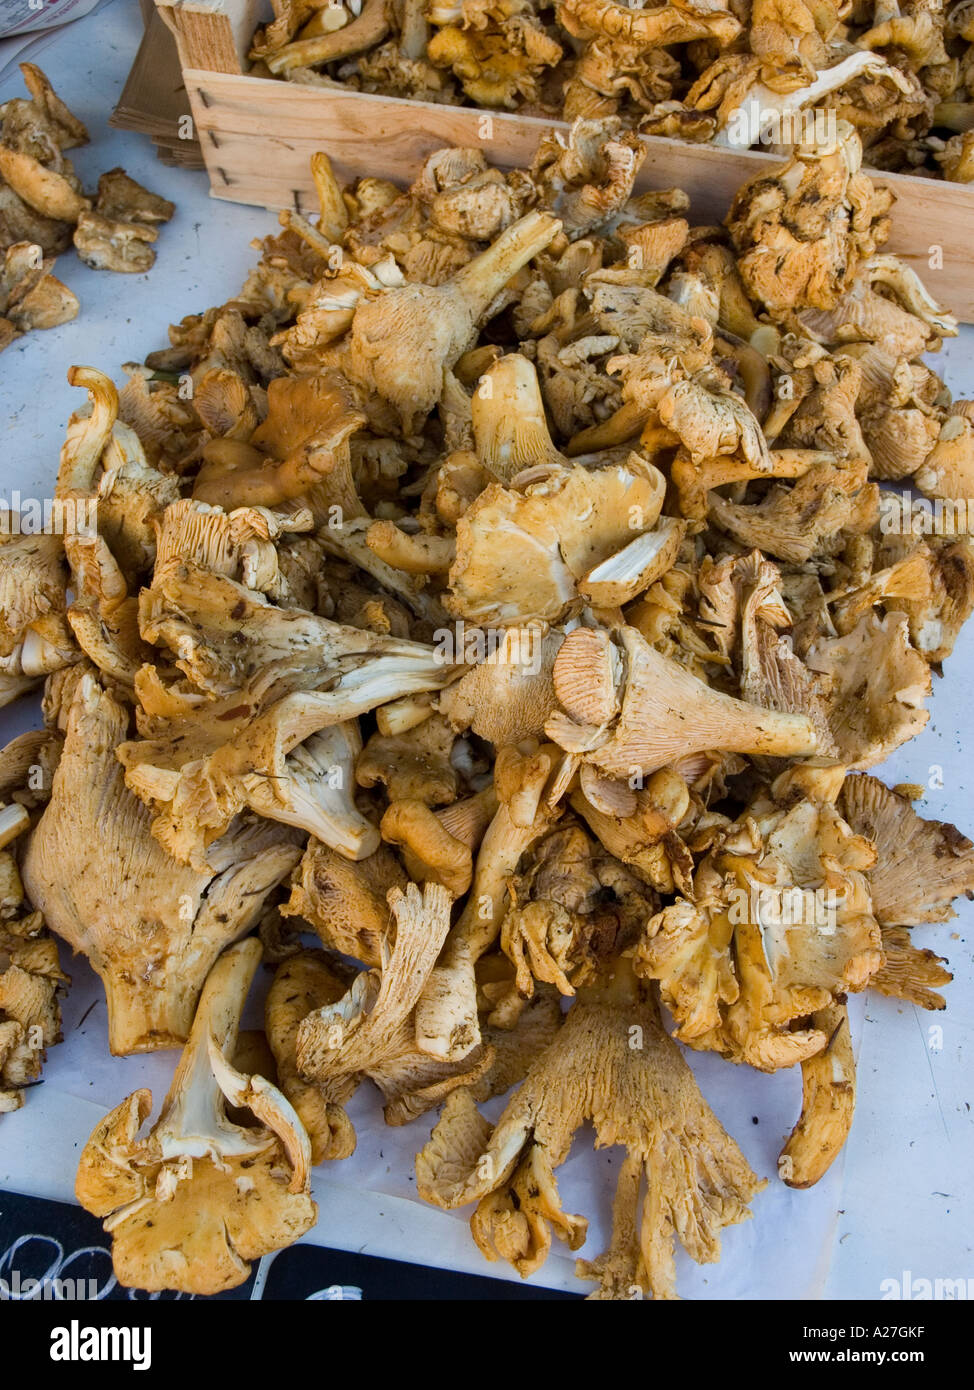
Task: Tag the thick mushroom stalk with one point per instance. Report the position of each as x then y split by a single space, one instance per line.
665 712
446 1015
402 341
828 1103
193 1202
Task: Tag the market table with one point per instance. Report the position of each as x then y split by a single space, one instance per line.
899 1201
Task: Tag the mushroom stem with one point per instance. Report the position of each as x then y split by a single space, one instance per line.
418 554
487 274
368 29
828 1102
415 30
87 435
194 1105
144 1016
666 713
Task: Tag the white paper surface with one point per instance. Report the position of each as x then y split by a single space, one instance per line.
900 1201
31 16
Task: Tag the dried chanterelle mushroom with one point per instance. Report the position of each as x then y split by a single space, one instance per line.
900 71
524 621
43 209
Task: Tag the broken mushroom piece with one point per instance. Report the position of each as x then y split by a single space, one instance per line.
190 1205
304 983
828 1102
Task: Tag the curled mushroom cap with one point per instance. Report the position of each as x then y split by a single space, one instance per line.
781 926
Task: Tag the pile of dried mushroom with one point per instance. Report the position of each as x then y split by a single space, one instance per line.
726 71
507 604
43 209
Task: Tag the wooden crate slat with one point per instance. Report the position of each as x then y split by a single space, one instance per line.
257 136
213 35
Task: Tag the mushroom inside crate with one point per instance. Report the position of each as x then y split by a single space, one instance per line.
901 72
503 638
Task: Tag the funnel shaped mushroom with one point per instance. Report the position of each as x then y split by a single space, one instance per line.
198 785
150 927
305 435
102 458
402 341
653 27
665 712
875 686
509 426
227 638
573 908
610 1063
189 1205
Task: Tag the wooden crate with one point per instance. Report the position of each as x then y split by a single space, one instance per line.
258 135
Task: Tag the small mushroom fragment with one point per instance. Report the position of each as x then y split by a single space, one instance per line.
106 243
121 199
30 296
